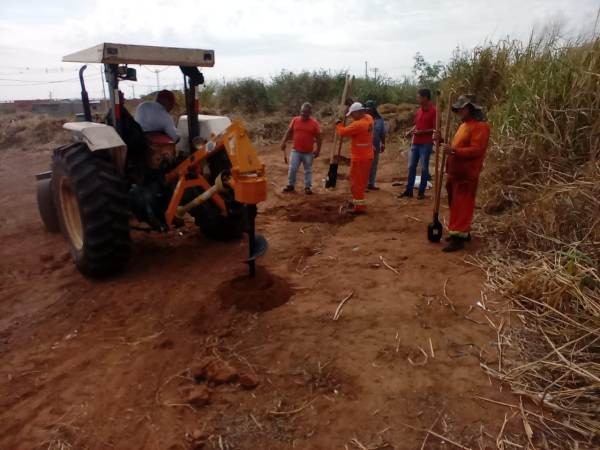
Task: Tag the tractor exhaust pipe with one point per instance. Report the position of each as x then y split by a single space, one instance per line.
85 101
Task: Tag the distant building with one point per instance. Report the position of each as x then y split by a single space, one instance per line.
64 108
57 108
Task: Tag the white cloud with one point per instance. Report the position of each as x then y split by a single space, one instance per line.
261 38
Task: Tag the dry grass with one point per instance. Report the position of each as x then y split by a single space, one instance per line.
551 351
31 131
541 198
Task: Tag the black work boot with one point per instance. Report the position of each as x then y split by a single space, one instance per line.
456 243
407 194
466 239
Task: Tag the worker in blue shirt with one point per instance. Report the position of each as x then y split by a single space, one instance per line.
379 133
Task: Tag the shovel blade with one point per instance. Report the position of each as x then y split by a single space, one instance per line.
434 231
331 179
261 245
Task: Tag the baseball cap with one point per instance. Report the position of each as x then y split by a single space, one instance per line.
356 106
371 104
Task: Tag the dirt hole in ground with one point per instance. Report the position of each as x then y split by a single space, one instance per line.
261 293
325 211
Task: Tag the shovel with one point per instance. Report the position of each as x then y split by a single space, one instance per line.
435 228
331 179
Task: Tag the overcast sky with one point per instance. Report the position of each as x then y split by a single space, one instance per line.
258 38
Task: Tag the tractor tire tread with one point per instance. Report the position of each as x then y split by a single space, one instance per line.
104 211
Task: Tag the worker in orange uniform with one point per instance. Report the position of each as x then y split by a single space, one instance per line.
465 161
361 153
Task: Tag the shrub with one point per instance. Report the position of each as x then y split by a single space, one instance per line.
247 95
289 90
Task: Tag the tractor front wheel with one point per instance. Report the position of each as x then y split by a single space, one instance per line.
214 225
46 206
92 207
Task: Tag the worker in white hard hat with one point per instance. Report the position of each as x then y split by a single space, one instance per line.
361 153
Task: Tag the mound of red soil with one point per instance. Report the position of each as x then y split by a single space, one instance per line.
315 211
261 293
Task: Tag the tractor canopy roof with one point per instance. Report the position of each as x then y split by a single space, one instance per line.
108 53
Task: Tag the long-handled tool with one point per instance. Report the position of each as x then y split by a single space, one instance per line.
435 228
336 148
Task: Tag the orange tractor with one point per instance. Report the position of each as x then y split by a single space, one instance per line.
114 174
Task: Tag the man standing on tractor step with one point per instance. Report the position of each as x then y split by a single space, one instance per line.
154 116
379 132
422 144
305 132
361 153
465 161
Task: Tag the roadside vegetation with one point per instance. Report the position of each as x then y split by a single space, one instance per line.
286 91
540 193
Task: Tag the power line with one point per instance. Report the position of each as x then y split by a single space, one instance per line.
35 81
155 70
25 83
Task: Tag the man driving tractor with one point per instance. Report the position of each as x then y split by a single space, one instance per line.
155 117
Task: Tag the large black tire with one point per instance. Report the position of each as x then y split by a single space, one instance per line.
214 225
92 206
46 206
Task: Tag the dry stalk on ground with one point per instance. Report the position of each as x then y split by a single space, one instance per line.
551 353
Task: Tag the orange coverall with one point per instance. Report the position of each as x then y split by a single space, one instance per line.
463 167
361 157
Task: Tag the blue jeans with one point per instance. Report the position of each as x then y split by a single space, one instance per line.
373 172
295 159
419 152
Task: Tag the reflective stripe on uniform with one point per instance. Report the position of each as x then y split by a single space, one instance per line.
359 201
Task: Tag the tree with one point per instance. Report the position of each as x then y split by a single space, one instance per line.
428 75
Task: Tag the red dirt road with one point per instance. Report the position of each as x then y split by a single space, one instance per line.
111 364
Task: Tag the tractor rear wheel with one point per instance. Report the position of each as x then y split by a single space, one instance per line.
46 206
92 207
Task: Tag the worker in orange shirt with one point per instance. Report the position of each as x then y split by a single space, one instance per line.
361 153
465 161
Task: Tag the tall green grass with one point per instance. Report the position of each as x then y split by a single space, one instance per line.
541 190
288 90
543 99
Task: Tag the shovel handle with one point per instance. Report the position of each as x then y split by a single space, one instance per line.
337 140
436 209
438 124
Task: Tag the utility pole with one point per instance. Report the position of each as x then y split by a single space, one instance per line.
157 81
375 70
366 70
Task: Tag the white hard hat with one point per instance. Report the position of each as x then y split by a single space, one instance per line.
356 106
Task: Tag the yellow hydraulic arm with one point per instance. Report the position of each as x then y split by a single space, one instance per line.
247 177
